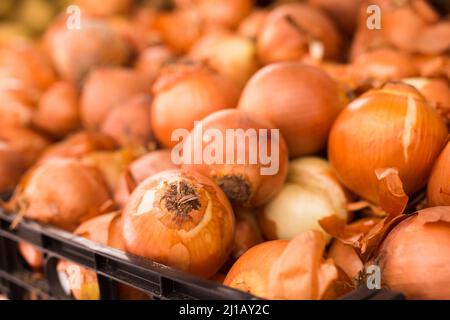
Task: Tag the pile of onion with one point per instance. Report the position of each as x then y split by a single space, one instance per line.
106 88
58 110
438 193
181 219
139 170
61 192
282 269
414 256
302 101
107 230
312 192
185 93
75 52
242 173
387 129
290 30
231 55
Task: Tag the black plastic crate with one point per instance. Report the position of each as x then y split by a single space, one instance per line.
111 266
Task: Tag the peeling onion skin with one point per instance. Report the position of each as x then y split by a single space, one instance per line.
392 127
194 236
414 257
61 192
242 183
302 101
438 193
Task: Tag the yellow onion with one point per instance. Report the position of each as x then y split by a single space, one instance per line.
302 101
282 269
243 181
253 23
289 31
129 122
12 166
78 145
185 93
231 55
104 7
181 219
438 193
312 192
58 110
152 60
139 170
61 192
392 128
414 256
247 234
32 256
76 52
15 108
106 88
25 62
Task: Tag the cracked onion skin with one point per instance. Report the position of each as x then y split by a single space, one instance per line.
391 127
180 219
438 193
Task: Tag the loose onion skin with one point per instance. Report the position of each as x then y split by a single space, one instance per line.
302 101
187 93
438 193
106 88
58 111
61 192
290 29
181 219
75 52
392 127
12 166
129 122
414 256
139 170
244 184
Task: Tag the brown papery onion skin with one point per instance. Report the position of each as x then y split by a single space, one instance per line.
106 88
186 93
302 101
181 219
242 183
61 192
253 23
129 122
392 127
78 145
289 30
438 193
414 257
58 110
31 255
251 272
139 170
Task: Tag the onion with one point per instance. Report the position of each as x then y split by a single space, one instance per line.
243 180
389 128
32 256
152 60
77 145
181 219
433 66
276 270
58 112
302 101
247 233
376 67
289 30
61 192
105 8
129 122
76 52
414 256
187 93
438 193
12 166
312 192
106 88
251 25
139 170
16 106
231 55
25 62
27 142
